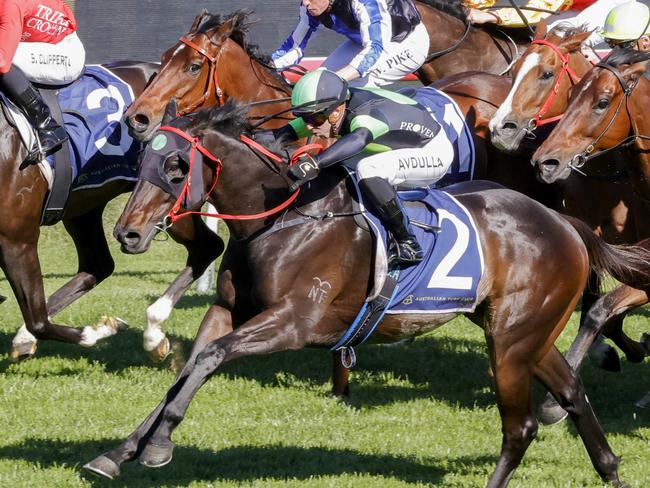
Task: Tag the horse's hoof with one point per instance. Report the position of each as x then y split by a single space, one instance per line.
154 456
610 361
2 298
550 413
22 351
103 466
645 342
161 352
643 402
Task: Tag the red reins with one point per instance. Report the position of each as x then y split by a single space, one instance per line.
566 69
174 213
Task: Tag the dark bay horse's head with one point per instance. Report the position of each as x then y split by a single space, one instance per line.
187 162
542 78
189 72
599 116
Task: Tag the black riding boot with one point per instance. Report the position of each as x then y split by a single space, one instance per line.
382 195
50 134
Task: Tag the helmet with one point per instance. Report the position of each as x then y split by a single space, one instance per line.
627 22
318 91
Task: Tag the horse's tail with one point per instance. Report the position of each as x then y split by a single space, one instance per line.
627 264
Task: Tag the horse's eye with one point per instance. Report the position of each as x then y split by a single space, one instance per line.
547 75
194 68
176 169
602 104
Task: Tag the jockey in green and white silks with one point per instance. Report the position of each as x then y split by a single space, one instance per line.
393 139
628 25
386 39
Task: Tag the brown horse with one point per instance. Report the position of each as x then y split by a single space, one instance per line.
264 305
482 48
215 58
543 78
606 112
210 64
23 199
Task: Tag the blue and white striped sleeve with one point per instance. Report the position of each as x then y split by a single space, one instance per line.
376 32
292 50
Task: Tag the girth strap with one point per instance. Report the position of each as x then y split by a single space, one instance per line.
57 197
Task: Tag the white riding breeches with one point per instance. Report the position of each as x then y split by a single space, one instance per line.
411 166
398 59
52 64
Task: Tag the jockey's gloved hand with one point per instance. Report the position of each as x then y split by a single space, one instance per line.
304 170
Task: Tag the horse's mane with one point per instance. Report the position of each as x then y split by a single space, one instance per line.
627 55
565 30
454 8
230 119
239 35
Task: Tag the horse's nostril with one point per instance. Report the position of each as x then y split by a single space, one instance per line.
509 126
128 237
547 165
139 122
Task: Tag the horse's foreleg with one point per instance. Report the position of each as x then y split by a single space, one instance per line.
625 299
566 387
203 247
607 312
602 353
340 376
271 331
216 323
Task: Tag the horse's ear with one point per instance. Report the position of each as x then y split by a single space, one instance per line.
226 29
573 43
198 19
636 70
541 29
171 112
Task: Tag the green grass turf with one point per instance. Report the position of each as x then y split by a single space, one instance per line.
420 415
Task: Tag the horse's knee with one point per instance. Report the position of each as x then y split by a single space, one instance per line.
519 437
38 329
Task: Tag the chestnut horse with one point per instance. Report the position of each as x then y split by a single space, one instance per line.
22 202
607 111
263 305
543 78
206 67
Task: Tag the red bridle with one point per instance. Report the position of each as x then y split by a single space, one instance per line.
212 75
174 213
565 58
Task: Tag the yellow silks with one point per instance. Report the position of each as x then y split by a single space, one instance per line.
509 16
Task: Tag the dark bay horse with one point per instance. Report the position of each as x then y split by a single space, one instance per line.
607 110
23 198
265 279
487 48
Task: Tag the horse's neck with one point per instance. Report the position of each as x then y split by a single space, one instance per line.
249 185
248 81
640 168
135 73
579 64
